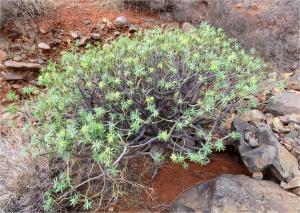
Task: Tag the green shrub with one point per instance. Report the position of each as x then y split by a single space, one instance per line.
116 101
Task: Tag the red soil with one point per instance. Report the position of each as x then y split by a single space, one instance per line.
70 16
172 180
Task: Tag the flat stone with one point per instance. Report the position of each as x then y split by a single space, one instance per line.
43 46
236 193
253 115
3 55
95 36
11 76
284 104
292 118
74 35
188 27
22 66
87 21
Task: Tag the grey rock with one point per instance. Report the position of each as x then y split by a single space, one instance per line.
43 46
285 104
55 42
188 27
11 76
292 134
273 75
121 21
258 175
253 115
95 36
241 127
229 193
21 66
296 152
277 126
269 154
284 163
40 61
133 28
292 118
260 158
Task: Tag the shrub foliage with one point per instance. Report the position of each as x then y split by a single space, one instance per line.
116 101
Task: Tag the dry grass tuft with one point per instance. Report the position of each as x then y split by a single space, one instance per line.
23 180
269 26
23 9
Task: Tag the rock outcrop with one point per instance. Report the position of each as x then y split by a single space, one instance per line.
229 193
269 155
286 103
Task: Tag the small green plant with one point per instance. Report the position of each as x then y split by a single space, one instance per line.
29 90
116 101
12 109
12 96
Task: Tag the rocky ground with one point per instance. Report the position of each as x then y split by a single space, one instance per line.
269 146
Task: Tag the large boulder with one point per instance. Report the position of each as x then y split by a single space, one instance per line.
269 155
284 104
231 194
